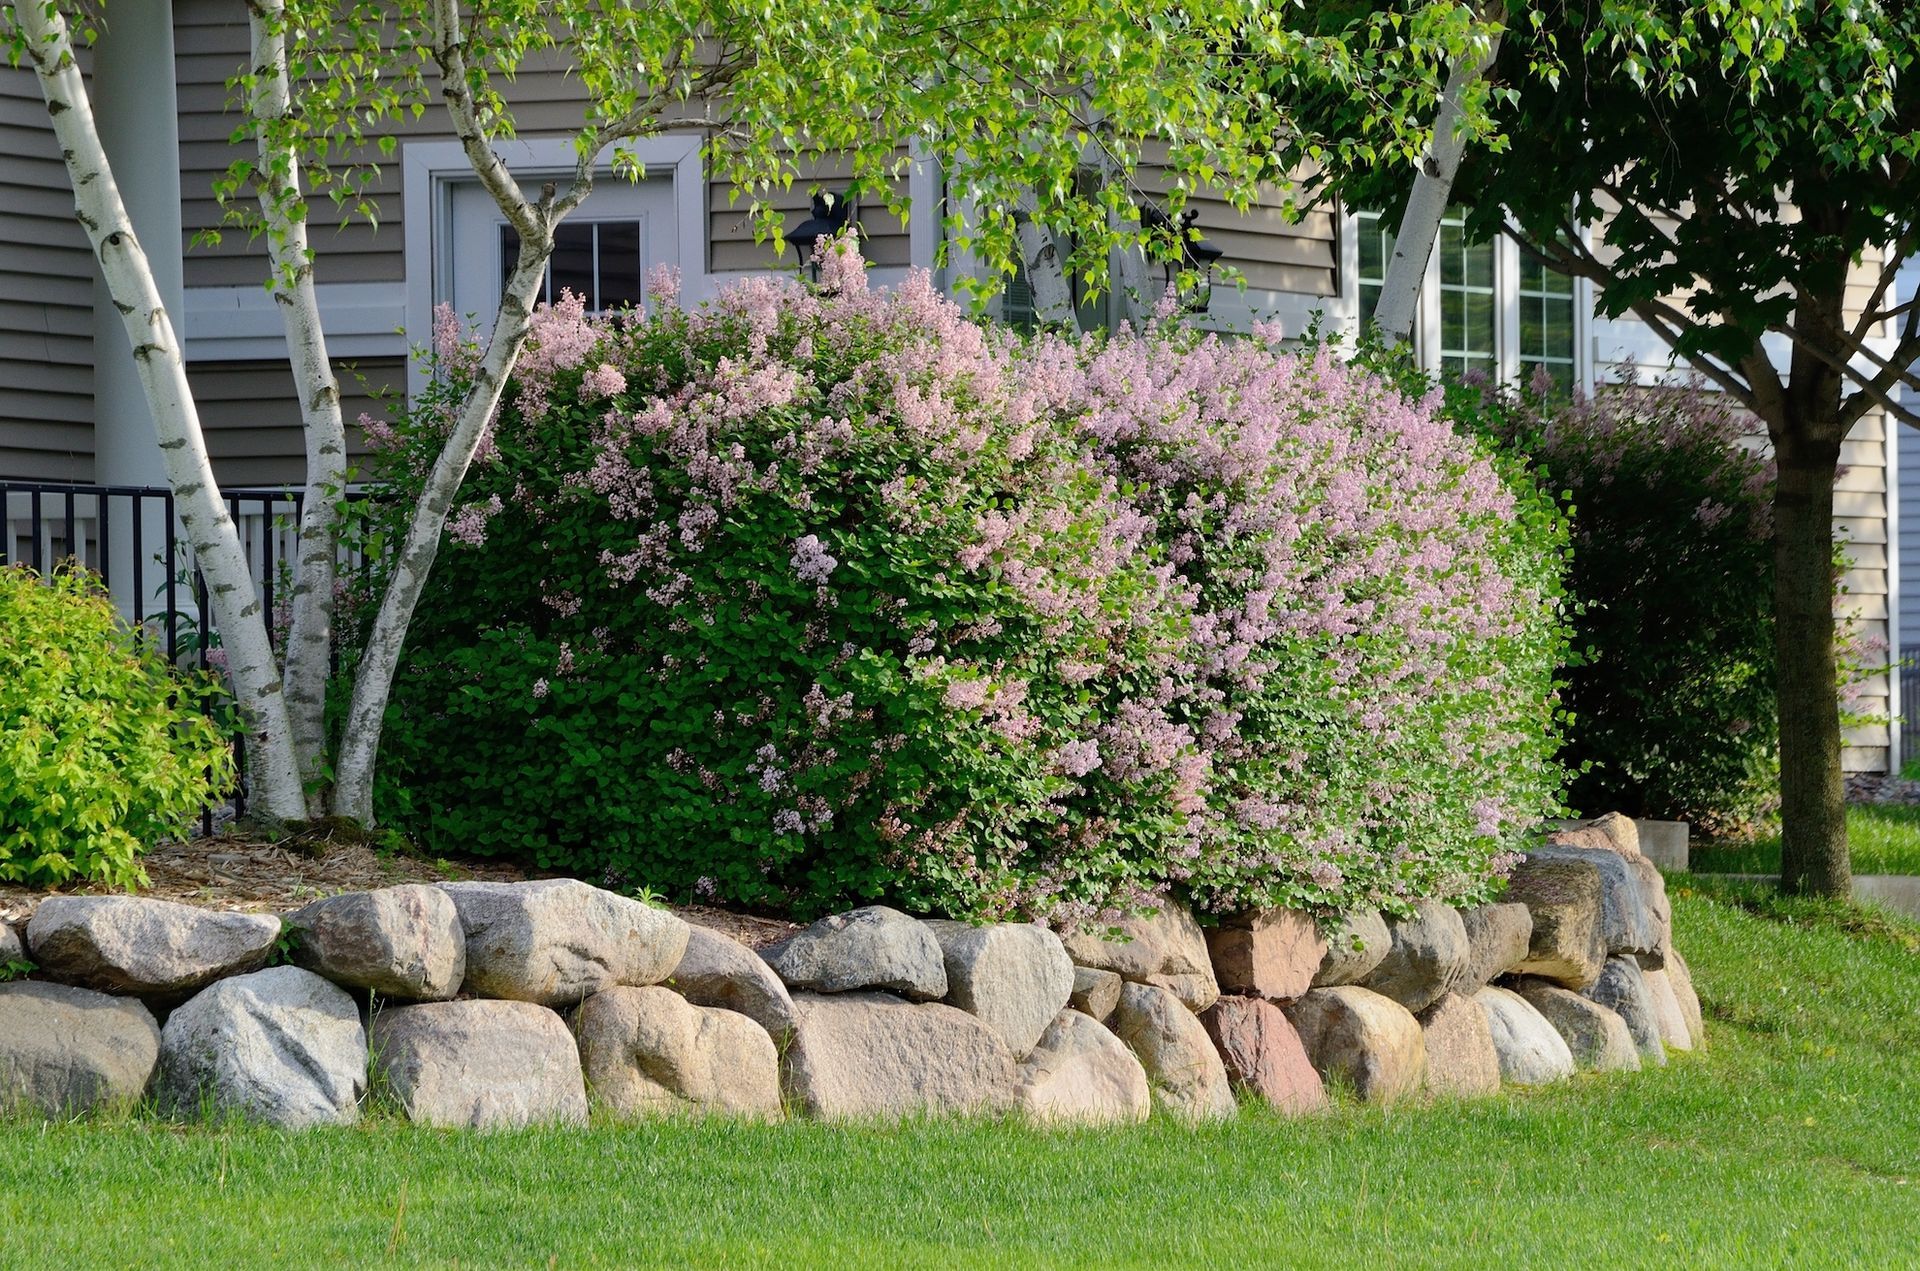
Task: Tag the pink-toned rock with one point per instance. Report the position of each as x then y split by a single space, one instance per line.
1263 1054
1371 1043
1461 1060
1667 1012
1612 832
1681 977
1270 953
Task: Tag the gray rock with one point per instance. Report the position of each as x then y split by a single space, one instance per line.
1597 1036
280 1046
1563 896
1081 1073
1531 1052
1269 953
1354 1036
1354 948
1498 937
11 947
1263 1055
1183 1069
1168 942
1095 992
479 1064
558 941
1622 989
722 972
1628 922
150 948
873 1055
1425 955
1015 977
404 941
1461 1059
871 948
1683 991
648 1051
65 1050
1666 1010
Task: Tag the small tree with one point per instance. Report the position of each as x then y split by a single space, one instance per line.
1724 172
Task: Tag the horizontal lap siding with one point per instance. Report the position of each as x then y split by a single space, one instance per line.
730 221
1868 593
251 415
46 299
1270 252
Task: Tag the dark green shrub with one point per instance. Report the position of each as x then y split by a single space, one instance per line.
1671 699
103 748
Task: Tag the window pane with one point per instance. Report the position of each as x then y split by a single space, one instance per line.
621 285
1479 336
1479 265
1533 331
572 266
1452 254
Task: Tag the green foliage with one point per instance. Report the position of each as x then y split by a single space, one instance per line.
16 969
103 748
1671 701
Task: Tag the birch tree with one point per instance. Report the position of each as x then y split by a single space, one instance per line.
773 86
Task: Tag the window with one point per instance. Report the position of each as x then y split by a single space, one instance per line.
599 260
1488 307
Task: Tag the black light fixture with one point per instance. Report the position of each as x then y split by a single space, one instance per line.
831 214
1197 255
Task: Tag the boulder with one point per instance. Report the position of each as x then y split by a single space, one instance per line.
1270 953
11 947
1095 992
1681 977
1263 1055
1597 1037
1183 1069
1354 948
1531 1052
871 948
1196 990
1014 977
1461 1060
1611 832
149 948
403 942
864 1055
558 941
1081 1073
1563 897
1167 942
647 1051
1622 989
1498 938
280 1046
1356 1037
1628 922
479 1064
719 971
1666 1010
1425 955
65 1050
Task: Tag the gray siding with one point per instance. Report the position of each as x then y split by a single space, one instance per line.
46 299
251 416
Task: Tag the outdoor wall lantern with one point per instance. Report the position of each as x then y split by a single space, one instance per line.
831 213
1197 255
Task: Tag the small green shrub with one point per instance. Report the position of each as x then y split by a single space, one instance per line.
103 748
1670 697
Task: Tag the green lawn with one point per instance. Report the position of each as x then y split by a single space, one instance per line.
1885 839
1791 1143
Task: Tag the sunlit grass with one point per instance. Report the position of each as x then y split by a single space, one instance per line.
1885 839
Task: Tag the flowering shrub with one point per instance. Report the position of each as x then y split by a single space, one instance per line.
1671 695
816 596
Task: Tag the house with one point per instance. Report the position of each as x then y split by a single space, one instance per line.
71 411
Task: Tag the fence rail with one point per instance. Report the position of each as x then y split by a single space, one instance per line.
1909 721
130 536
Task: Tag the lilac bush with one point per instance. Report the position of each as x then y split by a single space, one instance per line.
812 596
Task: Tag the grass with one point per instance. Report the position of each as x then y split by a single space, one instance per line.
1790 1143
1885 839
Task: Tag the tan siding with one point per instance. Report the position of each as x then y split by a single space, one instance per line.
883 239
46 299
252 418
1269 251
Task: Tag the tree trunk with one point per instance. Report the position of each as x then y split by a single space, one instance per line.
1427 205
163 374
309 647
1046 276
1813 838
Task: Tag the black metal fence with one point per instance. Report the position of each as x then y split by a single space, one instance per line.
129 536
1909 721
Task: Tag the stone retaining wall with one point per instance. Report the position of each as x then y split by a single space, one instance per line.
500 1004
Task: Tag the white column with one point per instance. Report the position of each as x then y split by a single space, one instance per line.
137 110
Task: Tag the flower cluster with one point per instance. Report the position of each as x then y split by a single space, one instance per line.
818 595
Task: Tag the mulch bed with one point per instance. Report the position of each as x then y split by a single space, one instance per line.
237 871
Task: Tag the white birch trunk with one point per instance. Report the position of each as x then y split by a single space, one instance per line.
1046 274
1420 224
163 375
310 633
